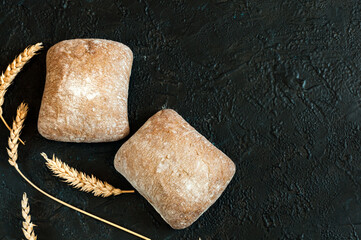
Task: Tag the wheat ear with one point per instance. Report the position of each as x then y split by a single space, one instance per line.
81 180
28 226
13 156
18 124
12 70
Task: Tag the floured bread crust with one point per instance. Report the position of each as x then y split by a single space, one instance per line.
175 168
86 91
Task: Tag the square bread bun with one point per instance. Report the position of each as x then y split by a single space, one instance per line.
175 168
86 91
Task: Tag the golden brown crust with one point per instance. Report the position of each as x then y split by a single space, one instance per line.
175 168
86 91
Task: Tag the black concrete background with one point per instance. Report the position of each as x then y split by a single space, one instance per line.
274 84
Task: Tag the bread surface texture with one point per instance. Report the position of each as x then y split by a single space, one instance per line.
86 91
175 168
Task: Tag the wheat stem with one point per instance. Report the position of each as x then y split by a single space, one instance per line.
81 180
13 156
5 123
78 209
28 226
12 70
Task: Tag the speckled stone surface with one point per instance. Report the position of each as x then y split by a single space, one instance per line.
275 85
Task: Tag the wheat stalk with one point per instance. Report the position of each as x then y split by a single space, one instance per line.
81 180
28 226
13 156
12 70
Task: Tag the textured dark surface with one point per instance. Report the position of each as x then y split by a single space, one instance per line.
274 84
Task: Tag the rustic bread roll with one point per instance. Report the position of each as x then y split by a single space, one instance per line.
175 168
86 91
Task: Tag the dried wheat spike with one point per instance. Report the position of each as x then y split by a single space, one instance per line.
18 124
28 226
81 180
12 151
14 68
